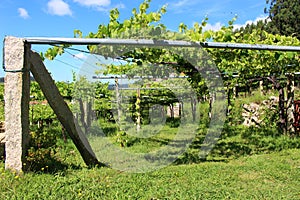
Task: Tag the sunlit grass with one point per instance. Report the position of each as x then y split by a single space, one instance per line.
269 176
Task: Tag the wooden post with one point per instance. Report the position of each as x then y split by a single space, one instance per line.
250 88
281 103
118 100
16 97
138 120
194 108
228 99
89 114
235 91
163 113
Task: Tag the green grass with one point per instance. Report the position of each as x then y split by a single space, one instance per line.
268 176
274 174
161 148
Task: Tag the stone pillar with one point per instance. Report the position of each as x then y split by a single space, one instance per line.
16 98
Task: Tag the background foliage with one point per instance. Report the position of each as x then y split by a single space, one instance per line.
284 15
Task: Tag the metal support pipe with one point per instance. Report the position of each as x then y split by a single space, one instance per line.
157 43
137 77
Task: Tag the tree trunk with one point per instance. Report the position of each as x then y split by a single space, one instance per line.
282 118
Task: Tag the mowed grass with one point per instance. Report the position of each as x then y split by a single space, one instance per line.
268 176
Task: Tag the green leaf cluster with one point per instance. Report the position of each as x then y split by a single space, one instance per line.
146 24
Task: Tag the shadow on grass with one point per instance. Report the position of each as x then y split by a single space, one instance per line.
234 142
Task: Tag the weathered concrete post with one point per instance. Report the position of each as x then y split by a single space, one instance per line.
261 87
16 97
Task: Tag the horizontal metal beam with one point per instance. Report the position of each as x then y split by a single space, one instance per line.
152 88
157 43
138 77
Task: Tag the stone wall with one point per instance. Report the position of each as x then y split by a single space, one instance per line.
252 113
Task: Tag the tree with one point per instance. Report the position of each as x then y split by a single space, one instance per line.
249 28
284 15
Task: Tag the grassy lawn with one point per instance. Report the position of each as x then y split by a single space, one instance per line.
233 170
267 176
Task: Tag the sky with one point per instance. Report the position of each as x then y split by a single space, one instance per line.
59 18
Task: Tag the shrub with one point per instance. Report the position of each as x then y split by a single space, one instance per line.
42 147
173 122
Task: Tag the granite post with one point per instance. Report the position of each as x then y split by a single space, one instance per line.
16 98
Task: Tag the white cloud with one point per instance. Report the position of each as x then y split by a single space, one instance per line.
217 26
96 3
262 17
58 7
99 5
23 13
181 3
182 6
184 3
120 6
105 9
80 56
214 27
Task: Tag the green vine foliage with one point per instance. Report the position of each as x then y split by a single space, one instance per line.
146 24
247 63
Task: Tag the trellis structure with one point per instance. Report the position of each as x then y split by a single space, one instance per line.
19 61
